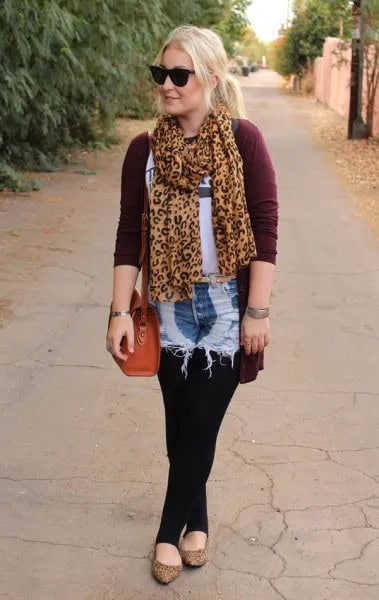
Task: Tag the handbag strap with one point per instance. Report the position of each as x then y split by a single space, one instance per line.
144 254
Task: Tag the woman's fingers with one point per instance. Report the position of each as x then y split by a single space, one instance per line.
257 344
117 331
254 345
115 344
130 339
247 347
255 334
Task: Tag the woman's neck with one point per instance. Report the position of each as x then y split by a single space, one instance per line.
191 124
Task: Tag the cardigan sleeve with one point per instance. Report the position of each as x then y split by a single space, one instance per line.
260 188
128 238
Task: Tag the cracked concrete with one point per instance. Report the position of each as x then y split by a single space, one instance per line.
294 492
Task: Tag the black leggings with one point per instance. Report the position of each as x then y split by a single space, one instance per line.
194 409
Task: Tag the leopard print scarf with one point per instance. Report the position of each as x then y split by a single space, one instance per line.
175 248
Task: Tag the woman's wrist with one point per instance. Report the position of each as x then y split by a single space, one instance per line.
257 313
120 313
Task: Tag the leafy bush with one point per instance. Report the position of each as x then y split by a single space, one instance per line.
69 67
304 40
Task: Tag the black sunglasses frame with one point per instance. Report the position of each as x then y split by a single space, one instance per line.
178 75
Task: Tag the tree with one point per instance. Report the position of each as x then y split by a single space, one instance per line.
298 5
232 23
371 57
69 67
313 21
369 11
227 17
250 46
183 12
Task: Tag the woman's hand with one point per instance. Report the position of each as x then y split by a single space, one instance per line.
120 327
255 334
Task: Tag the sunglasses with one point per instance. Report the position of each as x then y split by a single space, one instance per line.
179 76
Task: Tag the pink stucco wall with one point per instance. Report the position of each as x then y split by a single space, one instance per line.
332 82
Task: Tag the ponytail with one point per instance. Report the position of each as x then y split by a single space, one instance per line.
229 92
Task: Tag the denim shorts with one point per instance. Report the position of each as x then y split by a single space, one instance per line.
209 321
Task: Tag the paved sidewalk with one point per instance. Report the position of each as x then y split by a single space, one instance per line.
294 493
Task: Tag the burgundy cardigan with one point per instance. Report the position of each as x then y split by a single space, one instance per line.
262 204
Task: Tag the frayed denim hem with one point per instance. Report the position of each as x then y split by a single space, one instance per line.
186 353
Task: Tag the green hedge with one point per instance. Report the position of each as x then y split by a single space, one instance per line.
69 67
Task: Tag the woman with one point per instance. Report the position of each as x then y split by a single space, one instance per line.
213 223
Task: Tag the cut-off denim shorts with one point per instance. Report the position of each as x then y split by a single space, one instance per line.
209 321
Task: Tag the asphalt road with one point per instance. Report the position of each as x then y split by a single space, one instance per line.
294 493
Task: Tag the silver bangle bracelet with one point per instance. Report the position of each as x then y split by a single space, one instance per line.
258 313
120 313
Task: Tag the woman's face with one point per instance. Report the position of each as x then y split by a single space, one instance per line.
181 101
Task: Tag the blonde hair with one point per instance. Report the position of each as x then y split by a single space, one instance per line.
209 58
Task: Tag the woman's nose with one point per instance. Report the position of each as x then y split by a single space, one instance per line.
167 84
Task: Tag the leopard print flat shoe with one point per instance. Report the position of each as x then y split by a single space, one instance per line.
165 573
194 558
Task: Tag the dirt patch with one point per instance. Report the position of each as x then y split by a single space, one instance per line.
128 128
5 311
356 162
38 228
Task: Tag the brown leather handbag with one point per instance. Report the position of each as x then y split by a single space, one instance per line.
144 361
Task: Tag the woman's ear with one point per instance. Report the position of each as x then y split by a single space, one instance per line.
215 80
